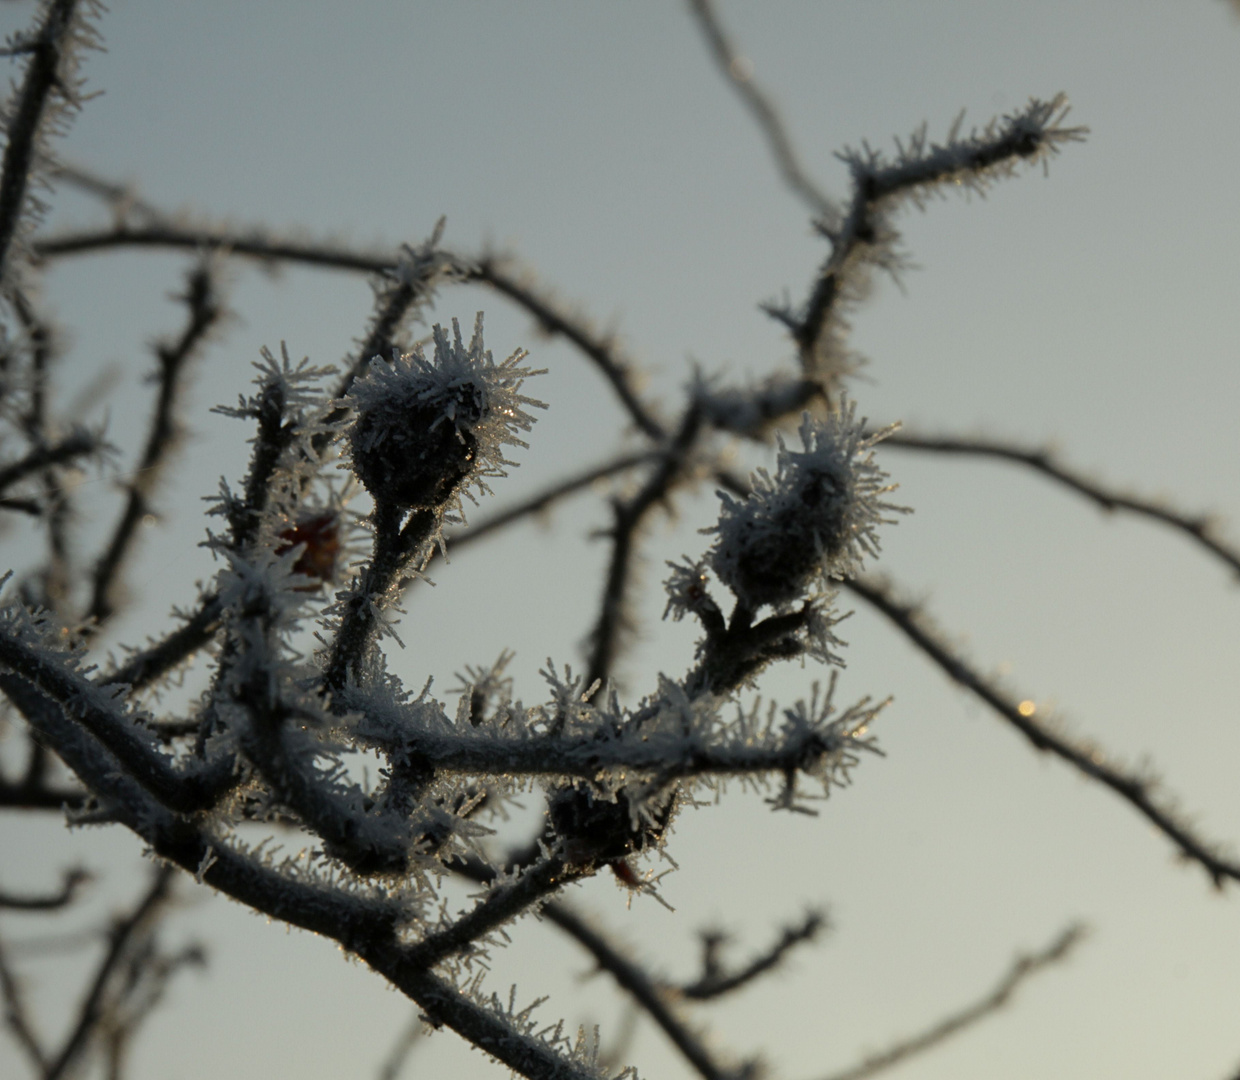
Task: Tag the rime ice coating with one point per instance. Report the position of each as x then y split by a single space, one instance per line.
425 430
814 520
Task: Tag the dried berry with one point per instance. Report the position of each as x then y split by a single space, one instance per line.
321 536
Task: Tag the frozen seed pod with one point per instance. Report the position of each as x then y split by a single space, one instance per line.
814 520
425 430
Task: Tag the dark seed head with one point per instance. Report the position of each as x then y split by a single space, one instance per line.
413 455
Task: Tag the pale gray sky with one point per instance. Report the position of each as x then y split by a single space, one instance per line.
1093 307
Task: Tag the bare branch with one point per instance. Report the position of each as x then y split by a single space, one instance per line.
1199 527
77 444
255 244
715 982
736 69
258 244
1022 969
15 1016
556 321
73 881
122 198
44 76
205 310
122 939
394 1063
1137 790
628 518
548 497
38 797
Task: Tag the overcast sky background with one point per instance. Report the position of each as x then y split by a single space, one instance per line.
1093 308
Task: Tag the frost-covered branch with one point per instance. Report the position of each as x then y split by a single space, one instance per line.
55 678
400 293
672 738
425 433
628 517
50 74
555 320
205 309
866 239
301 701
1137 789
1199 527
147 665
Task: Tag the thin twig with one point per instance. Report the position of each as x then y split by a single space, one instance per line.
394 1063
77 444
629 516
123 936
43 76
632 978
205 310
255 244
72 883
547 497
1199 527
15 1016
715 982
735 69
555 321
36 424
144 667
1136 790
258 244
1022 969
121 197
38 797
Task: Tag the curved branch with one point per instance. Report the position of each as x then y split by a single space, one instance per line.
715 982
71 884
736 70
556 321
1138 791
1199 527
205 310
